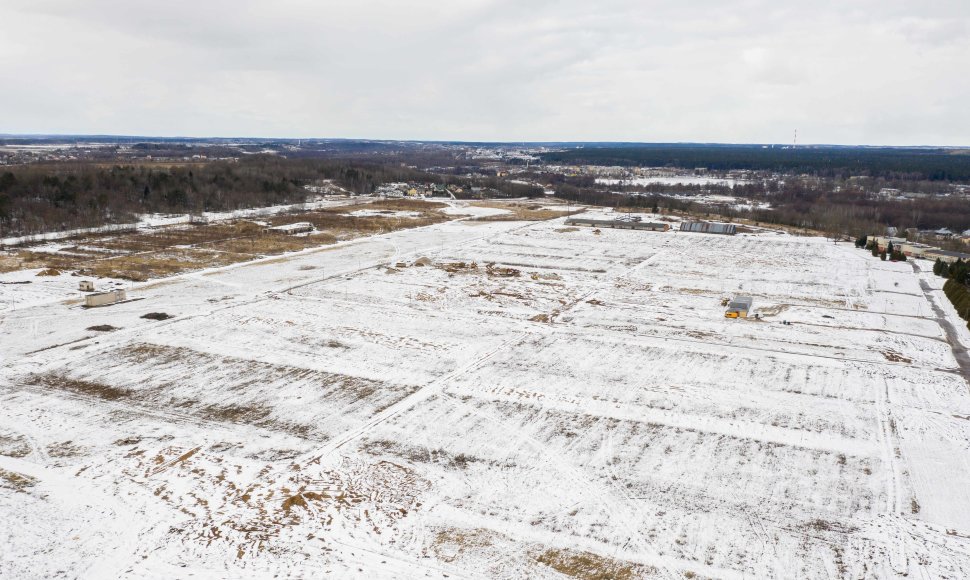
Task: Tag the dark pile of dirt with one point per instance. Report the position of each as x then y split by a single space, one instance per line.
156 316
103 328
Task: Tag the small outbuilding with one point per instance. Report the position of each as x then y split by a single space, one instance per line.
105 298
738 307
86 286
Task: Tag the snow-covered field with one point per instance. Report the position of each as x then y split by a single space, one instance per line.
537 401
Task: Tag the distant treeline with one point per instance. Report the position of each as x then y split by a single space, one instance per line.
39 198
885 162
47 197
812 204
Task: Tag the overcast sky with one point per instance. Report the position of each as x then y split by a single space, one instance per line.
894 72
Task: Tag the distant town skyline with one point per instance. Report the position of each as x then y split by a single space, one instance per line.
859 72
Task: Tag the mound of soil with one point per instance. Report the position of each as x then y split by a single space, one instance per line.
103 328
156 316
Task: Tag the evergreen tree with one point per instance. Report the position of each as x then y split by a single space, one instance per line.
958 271
961 301
937 267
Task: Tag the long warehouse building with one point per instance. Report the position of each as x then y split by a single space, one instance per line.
709 228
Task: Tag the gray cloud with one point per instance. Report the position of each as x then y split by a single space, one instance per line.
855 71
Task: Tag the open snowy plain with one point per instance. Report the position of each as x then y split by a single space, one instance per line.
533 401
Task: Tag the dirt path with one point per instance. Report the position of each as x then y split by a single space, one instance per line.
959 352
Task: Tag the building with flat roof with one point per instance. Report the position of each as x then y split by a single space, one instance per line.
738 307
947 256
623 224
105 298
709 228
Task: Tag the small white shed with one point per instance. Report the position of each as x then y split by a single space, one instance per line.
105 298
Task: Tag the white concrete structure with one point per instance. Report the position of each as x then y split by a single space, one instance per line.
105 298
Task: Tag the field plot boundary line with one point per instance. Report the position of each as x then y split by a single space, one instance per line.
864 311
397 252
434 387
626 305
874 330
733 428
650 340
596 491
163 415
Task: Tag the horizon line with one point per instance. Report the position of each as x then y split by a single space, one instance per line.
460 141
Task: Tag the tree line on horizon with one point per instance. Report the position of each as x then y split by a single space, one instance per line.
63 196
933 164
39 198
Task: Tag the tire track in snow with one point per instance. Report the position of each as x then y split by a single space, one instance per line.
959 352
898 559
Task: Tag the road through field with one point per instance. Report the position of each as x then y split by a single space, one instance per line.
953 338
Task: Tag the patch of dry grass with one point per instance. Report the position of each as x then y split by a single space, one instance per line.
519 211
237 413
334 222
16 481
265 245
28 260
169 262
141 256
416 454
14 445
65 449
11 262
240 375
64 383
894 356
589 566
451 543
403 204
